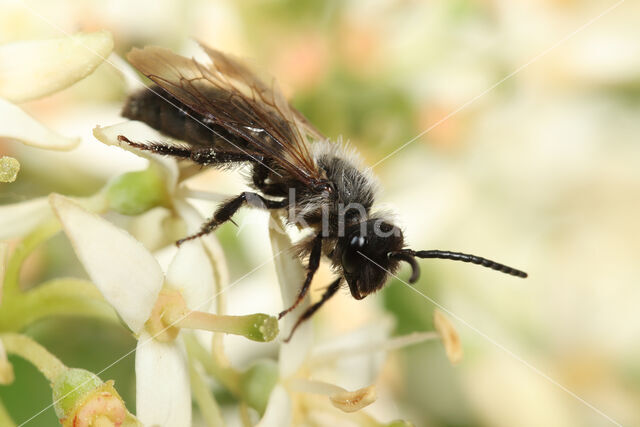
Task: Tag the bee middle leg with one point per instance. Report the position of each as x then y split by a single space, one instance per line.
314 263
230 207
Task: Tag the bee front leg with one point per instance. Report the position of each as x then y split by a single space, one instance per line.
314 263
228 208
331 290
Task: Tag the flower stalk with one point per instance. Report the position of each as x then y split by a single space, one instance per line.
202 395
49 365
34 239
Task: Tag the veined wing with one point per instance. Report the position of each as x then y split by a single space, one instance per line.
227 94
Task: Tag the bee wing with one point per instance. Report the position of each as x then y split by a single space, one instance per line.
227 94
236 69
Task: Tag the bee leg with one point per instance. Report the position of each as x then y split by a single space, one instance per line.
331 290
159 148
210 157
228 208
314 263
204 156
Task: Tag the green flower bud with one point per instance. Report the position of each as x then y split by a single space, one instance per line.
71 387
257 383
81 399
136 192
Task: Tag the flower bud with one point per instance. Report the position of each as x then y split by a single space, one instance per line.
136 192
80 399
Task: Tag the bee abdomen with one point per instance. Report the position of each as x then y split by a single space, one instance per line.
163 112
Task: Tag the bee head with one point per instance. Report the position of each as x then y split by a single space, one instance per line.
364 255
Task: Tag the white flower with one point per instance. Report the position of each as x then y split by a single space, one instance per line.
29 70
131 280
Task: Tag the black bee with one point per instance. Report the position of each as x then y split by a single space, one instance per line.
228 117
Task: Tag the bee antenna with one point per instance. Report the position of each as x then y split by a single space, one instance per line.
409 258
458 256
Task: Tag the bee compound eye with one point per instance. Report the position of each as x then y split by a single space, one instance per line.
350 261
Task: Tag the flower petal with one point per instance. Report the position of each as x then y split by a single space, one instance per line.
18 125
190 272
163 394
140 132
291 275
32 69
128 276
214 251
20 218
279 407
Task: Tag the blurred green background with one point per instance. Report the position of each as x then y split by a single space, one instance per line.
539 171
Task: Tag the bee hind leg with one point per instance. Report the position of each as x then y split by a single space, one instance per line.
205 156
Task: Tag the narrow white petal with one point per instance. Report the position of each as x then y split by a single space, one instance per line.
20 218
212 246
18 125
32 69
190 216
279 407
130 76
291 275
163 394
190 272
128 276
140 132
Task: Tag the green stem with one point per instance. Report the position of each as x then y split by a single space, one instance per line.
207 403
12 275
228 377
36 354
5 418
65 296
